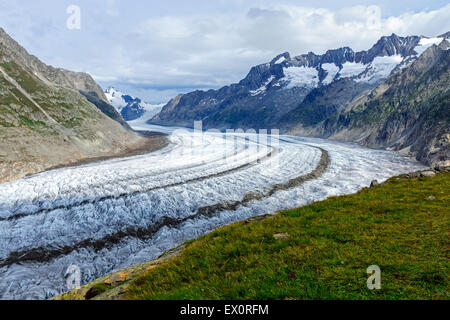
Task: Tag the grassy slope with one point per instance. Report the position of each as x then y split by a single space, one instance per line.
65 106
331 244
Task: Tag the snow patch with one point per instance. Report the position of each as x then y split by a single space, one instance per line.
425 43
301 77
380 68
263 88
280 60
352 69
331 70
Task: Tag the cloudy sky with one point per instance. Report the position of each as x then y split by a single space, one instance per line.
156 49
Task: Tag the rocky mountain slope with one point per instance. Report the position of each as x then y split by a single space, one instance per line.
129 107
306 95
409 112
46 119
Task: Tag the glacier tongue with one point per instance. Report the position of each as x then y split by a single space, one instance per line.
83 215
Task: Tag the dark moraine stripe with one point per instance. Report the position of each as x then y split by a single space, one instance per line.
144 233
123 195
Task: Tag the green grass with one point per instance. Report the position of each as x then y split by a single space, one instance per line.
31 123
73 122
395 226
97 290
26 80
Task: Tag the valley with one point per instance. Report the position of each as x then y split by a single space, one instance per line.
113 214
98 180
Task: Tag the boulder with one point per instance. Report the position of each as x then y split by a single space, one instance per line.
281 236
374 183
427 174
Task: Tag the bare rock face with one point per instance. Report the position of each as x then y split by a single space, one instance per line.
44 119
281 236
427 174
374 184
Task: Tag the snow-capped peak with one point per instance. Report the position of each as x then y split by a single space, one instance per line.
115 98
110 91
389 54
425 43
131 108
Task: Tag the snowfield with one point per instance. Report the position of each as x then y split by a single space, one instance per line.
301 77
109 215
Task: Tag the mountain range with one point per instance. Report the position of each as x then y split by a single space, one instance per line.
51 116
392 96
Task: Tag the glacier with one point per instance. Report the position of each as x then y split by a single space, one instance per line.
109 215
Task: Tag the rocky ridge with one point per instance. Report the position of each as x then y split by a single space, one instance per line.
273 89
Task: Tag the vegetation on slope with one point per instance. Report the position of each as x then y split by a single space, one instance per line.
320 251
53 117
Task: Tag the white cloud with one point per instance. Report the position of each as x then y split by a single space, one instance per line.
113 8
207 50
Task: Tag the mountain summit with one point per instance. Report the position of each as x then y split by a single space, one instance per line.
129 107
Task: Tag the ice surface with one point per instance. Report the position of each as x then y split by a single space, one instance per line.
151 110
66 206
301 77
351 69
331 70
425 43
